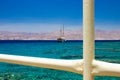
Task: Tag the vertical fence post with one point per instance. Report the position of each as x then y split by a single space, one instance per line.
88 38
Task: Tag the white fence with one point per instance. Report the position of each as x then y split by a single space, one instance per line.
87 66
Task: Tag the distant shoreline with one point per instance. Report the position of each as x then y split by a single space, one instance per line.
56 40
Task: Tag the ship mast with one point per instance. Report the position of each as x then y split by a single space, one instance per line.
60 32
63 31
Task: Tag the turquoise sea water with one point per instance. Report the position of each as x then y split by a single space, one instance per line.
105 50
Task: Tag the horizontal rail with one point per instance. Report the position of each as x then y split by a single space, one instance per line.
100 68
67 65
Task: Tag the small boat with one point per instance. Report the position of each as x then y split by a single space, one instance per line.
61 38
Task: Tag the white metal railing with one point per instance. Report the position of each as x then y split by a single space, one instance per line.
88 66
88 38
99 68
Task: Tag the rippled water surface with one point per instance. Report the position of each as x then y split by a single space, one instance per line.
105 50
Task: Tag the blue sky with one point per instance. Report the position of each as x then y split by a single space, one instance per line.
50 15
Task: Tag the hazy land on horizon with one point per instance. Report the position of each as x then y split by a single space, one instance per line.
69 35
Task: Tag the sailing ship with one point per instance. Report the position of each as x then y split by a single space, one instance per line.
61 38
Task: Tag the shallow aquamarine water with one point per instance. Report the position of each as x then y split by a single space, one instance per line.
106 51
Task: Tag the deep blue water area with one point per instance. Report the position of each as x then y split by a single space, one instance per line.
105 50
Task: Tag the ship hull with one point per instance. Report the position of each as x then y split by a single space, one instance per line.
61 40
